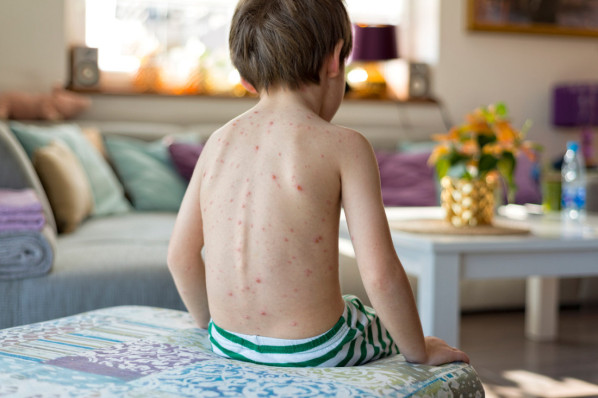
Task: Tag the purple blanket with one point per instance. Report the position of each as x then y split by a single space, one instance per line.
20 210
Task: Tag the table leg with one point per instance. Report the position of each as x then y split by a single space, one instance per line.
438 297
541 308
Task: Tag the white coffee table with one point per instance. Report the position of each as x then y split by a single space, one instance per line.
441 261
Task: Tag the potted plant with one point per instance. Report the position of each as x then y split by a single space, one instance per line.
471 158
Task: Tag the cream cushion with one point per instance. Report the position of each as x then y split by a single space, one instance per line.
65 183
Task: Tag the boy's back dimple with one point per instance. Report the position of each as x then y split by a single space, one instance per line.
270 198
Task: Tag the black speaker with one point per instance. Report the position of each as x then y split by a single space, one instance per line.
419 80
85 73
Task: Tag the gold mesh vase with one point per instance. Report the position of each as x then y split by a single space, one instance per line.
467 203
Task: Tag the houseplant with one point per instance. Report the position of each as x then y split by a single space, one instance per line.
471 159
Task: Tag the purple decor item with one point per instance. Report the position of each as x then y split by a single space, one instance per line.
575 105
184 156
374 43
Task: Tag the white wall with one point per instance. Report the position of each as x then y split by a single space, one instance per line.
476 68
472 69
33 56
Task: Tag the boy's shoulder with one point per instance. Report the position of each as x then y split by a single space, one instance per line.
352 138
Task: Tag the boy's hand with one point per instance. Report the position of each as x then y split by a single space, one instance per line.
439 352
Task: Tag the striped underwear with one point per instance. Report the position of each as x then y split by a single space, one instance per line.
357 338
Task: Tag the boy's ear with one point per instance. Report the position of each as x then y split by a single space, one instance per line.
333 68
248 86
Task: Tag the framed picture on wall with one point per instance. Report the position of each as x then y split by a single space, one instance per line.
553 17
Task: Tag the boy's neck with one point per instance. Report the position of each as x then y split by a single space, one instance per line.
307 98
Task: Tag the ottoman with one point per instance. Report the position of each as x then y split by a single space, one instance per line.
137 351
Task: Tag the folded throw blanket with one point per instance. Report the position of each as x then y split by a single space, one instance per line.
19 201
20 210
26 254
21 222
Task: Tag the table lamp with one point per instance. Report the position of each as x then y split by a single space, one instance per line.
372 44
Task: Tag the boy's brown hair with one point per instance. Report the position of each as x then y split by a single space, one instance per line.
285 42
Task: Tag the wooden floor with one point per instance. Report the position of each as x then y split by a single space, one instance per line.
512 366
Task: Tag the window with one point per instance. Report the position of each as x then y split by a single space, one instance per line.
181 46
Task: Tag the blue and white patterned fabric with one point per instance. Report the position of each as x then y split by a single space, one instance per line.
149 352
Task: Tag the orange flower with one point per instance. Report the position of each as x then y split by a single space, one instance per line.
494 149
505 133
437 153
469 147
485 144
528 149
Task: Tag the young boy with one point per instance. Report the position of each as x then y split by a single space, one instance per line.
265 199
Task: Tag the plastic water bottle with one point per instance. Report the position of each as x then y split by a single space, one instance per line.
573 194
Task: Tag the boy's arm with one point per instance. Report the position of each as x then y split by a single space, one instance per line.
184 255
383 275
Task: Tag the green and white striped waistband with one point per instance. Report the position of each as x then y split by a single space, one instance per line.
357 338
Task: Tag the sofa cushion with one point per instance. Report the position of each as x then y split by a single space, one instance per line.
184 156
406 179
147 173
65 183
108 193
527 178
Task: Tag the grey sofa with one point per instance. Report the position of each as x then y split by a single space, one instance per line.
107 261
121 259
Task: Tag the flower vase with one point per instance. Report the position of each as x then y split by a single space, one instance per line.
468 203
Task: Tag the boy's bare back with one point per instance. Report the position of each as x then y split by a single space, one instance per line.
265 199
270 196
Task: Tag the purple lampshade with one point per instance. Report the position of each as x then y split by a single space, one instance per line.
374 43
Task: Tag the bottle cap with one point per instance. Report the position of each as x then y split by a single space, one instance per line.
573 145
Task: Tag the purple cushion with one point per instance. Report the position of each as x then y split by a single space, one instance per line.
184 156
527 180
406 179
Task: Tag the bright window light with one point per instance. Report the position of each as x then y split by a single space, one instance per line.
184 39
131 32
375 11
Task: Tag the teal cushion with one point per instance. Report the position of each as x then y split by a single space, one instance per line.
147 172
107 192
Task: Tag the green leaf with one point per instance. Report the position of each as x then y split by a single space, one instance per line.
485 139
526 126
442 166
501 109
506 167
455 157
487 163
